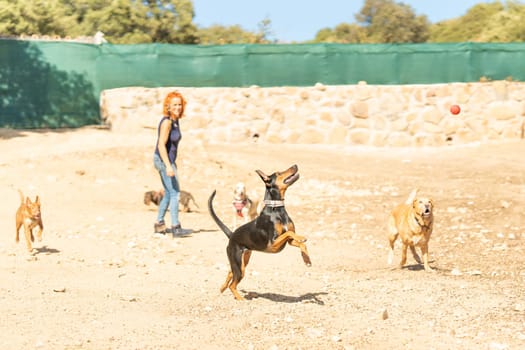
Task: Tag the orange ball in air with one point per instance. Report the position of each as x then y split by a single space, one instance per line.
455 109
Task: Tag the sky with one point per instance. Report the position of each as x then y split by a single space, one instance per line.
300 20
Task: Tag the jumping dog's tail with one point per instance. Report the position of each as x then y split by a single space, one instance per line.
218 221
21 196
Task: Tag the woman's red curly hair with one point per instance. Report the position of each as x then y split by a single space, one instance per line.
167 99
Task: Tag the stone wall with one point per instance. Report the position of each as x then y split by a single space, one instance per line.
375 115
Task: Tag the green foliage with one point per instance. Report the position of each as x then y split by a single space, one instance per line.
343 33
390 22
380 21
487 22
265 32
171 21
217 34
465 28
122 21
10 18
31 17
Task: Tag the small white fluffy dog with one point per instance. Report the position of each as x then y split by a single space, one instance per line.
244 208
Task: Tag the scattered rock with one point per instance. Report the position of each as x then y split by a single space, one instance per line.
336 339
519 307
384 314
456 272
129 298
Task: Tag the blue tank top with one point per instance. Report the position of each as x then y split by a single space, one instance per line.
173 139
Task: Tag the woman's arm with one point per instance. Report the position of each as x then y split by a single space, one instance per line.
165 129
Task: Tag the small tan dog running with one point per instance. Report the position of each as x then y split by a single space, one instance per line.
244 208
413 221
30 216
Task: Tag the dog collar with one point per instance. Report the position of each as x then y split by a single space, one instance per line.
421 223
274 204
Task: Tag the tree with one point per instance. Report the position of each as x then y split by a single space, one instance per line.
172 21
350 33
31 17
133 21
343 33
510 24
380 21
217 34
122 21
325 35
265 32
488 22
465 28
390 22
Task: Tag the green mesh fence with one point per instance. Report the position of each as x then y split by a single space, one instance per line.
57 84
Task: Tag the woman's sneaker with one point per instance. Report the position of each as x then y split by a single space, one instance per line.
178 231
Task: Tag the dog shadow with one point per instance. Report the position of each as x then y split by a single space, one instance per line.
45 250
280 298
420 267
414 267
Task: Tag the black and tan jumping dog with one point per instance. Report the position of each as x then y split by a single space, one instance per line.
269 232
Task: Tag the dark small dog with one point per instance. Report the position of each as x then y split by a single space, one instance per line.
184 199
153 197
29 216
269 232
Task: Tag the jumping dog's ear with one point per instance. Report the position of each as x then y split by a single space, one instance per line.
263 176
37 200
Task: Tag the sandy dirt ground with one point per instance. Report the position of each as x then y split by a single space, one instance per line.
100 279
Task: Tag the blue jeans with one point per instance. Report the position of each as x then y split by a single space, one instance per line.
171 192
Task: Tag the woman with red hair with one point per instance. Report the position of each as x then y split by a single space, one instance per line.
168 138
